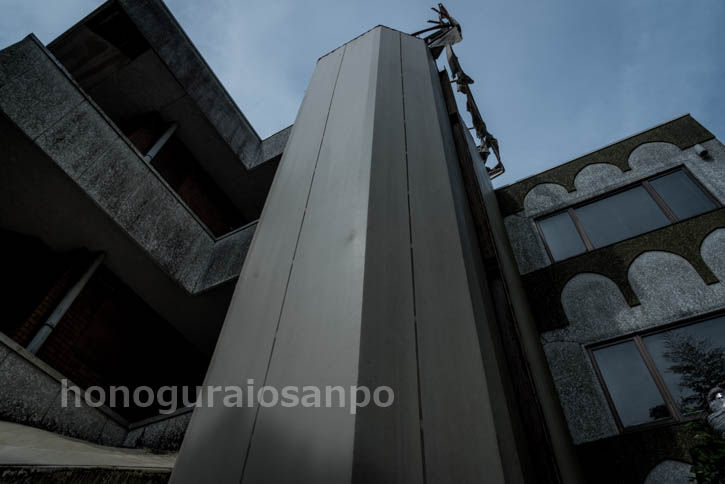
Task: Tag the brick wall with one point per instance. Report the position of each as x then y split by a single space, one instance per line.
108 336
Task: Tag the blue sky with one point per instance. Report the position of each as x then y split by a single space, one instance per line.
554 78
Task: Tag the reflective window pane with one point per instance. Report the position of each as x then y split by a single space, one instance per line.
561 236
691 360
630 384
621 216
682 194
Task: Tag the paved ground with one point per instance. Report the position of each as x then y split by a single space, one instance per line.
27 446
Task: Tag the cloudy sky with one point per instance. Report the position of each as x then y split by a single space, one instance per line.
554 78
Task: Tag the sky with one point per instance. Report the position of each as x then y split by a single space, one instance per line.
555 79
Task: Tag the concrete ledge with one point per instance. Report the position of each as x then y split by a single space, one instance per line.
42 99
32 396
159 433
31 455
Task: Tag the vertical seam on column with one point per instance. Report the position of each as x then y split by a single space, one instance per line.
294 255
412 266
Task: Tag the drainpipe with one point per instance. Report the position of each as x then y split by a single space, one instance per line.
63 306
160 142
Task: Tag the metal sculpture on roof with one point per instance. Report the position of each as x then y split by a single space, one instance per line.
445 32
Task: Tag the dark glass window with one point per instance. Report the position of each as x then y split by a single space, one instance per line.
621 216
666 374
646 206
690 360
682 194
562 236
630 384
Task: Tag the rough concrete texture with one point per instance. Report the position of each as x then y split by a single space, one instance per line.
669 287
683 132
712 250
32 395
227 257
274 145
165 435
16 59
171 44
38 97
583 400
526 243
711 171
81 475
27 393
45 103
593 177
79 140
544 195
669 290
82 422
112 434
599 178
545 285
153 216
670 472
133 437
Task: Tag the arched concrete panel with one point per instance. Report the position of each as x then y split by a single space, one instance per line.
667 284
594 306
670 472
543 196
713 252
593 177
650 155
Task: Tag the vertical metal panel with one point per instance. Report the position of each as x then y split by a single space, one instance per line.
483 306
319 332
387 440
217 439
567 462
458 427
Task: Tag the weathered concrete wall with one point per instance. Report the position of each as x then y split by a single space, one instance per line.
58 142
31 395
596 179
171 44
164 432
683 132
667 287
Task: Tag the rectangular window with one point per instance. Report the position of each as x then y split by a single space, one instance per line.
646 206
665 375
562 236
620 216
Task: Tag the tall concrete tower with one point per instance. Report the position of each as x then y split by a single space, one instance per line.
367 269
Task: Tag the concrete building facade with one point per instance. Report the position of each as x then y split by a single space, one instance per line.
538 332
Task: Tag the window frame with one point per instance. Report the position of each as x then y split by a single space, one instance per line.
666 210
637 337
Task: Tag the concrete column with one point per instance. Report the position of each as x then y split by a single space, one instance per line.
357 275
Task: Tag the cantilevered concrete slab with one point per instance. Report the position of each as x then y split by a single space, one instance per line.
357 275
